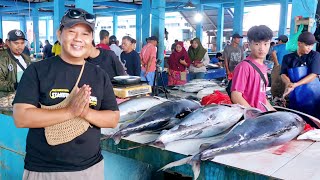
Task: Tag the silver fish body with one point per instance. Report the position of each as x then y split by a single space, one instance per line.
259 133
133 108
254 134
204 122
158 117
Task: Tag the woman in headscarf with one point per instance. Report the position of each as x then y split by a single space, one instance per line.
178 62
199 59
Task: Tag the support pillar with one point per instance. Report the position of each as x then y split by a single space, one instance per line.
283 17
86 5
199 28
220 27
158 14
138 30
238 17
1 30
308 11
47 29
23 26
36 39
58 12
115 24
146 10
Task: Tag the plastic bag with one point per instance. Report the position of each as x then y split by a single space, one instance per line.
216 98
292 44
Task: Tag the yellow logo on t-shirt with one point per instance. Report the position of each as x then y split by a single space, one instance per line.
59 93
93 101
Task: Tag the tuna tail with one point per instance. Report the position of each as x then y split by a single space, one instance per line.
116 137
194 161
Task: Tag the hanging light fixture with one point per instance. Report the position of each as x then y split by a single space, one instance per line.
189 5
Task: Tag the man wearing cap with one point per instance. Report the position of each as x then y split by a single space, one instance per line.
233 54
299 72
148 56
12 62
114 47
64 101
278 51
104 40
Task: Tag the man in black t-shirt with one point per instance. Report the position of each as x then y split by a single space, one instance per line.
47 50
54 82
107 60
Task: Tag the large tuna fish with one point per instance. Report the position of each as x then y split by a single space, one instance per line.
204 122
158 117
133 108
254 134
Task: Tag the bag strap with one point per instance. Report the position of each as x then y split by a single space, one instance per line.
258 70
16 60
80 75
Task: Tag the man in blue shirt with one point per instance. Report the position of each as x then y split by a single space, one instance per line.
299 72
277 86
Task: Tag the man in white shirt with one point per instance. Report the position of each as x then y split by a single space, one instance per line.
114 47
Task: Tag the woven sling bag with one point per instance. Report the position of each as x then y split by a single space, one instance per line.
68 130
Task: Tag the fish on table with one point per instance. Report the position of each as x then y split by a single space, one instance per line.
252 134
204 122
133 108
157 118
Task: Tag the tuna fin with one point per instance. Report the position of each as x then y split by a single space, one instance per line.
135 147
195 168
204 146
176 163
265 106
159 144
105 137
315 120
250 113
172 122
125 124
116 137
181 127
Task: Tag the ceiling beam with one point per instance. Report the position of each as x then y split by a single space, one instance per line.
16 4
211 22
118 4
13 8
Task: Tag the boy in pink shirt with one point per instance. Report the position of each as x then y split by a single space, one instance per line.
248 88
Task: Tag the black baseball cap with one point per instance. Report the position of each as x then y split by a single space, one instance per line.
307 37
113 39
77 16
16 34
236 35
154 38
283 38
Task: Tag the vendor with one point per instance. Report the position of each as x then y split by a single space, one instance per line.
199 59
129 57
178 63
12 62
299 72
